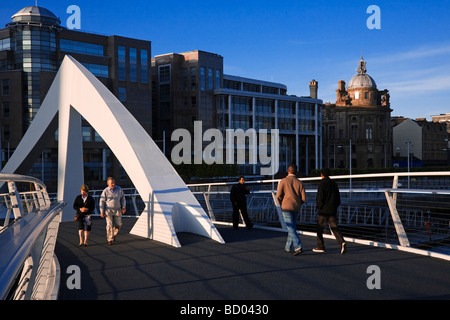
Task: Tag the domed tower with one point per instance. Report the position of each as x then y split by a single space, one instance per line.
362 90
34 15
33 33
360 118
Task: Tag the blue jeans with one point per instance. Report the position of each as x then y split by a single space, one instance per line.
293 240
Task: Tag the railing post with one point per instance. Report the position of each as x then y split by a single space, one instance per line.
395 186
208 205
280 213
402 237
41 196
15 200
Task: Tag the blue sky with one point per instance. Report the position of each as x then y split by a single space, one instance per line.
292 42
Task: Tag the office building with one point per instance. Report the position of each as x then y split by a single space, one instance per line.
191 86
32 47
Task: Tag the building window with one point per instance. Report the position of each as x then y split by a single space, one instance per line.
164 74
6 110
164 92
5 87
86 134
331 132
144 66
6 132
80 47
97 137
97 70
121 56
210 79
5 44
369 132
133 64
354 129
122 94
193 79
202 79
217 79
184 79
356 95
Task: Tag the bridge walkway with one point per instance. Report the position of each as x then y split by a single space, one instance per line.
251 265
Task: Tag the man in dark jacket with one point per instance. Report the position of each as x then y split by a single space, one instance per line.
238 199
328 200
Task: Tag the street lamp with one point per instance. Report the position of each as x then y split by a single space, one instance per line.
408 142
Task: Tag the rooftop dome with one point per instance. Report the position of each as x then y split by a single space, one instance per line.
35 14
362 79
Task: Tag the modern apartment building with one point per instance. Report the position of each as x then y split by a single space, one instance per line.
32 47
191 86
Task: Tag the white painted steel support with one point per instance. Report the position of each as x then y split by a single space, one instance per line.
402 237
280 213
75 92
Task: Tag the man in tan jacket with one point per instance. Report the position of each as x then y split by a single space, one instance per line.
291 196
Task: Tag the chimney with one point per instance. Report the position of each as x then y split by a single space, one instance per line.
313 87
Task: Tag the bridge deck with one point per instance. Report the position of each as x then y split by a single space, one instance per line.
252 265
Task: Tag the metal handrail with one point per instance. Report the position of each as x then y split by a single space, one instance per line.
27 243
434 227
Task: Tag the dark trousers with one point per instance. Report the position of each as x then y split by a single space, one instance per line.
243 209
332 222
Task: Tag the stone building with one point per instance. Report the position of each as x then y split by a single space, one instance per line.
357 125
425 140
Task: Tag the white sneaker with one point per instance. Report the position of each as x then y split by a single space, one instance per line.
318 250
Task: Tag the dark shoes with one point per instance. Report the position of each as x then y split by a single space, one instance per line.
343 249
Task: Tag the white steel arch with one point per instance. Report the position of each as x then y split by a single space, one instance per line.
75 92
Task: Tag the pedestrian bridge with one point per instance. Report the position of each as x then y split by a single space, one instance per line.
403 231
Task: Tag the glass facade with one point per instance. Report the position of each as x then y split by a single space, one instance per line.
35 51
144 66
81 47
97 70
254 104
36 45
5 44
133 64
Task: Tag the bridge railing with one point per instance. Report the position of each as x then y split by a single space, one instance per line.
375 207
406 210
30 221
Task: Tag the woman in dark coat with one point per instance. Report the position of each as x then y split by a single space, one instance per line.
84 205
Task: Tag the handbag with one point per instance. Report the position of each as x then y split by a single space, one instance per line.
76 216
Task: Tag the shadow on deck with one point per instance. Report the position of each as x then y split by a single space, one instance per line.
251 265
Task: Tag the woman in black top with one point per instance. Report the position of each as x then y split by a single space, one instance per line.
84 205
